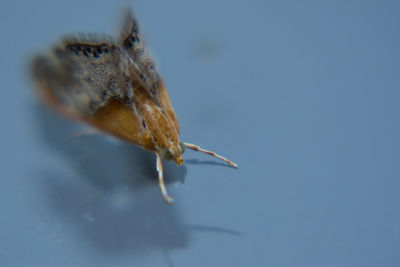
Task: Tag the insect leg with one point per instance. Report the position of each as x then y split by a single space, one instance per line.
161 183
197 148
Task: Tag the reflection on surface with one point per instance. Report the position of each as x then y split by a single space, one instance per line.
213 229
208 162
109 191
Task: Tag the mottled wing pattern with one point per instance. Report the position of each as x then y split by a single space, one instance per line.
132 41
82 74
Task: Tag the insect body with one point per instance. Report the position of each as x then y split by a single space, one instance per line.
114 86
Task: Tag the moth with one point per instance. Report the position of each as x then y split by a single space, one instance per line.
113 85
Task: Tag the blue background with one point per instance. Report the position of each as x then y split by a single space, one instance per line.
303 95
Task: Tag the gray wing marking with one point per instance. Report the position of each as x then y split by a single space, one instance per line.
83 72
132 41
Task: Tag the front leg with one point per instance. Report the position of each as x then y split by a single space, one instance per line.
161 182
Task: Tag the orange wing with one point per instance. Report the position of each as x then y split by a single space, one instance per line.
98 81
132 41
167 106
115 87
82 78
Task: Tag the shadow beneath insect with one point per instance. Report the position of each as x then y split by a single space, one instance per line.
109 192
213 229
208 162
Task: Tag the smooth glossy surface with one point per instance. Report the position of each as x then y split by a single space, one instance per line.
304 97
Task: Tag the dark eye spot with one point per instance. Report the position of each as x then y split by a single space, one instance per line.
89 50
106 50
153 90
135 39
128 43
99 50
144 124
105 94
141 76
95 54
85 53
79 48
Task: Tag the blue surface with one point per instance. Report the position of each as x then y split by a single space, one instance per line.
304 96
